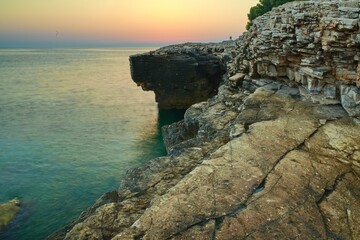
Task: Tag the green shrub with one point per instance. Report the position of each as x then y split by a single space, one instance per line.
263 7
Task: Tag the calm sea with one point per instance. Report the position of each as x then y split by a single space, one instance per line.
71 123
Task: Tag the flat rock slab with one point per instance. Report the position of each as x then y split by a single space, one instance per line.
275 180
290 171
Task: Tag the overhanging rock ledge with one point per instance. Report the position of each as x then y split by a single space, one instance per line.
181 75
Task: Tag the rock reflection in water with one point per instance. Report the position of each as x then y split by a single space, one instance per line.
151 136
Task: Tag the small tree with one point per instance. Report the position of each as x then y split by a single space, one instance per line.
263 7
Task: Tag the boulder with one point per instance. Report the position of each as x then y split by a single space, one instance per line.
350 99
236 79
8 210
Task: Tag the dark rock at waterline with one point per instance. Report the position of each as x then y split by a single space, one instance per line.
179 76
8 211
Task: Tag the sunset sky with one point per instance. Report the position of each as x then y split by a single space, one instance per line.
110 22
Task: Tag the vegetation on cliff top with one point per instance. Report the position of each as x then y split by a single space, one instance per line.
263 7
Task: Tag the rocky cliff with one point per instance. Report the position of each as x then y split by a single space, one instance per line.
314 45
181 75
274 155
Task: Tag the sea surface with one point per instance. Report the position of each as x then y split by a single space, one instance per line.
71 123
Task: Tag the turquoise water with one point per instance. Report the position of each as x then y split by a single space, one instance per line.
71 123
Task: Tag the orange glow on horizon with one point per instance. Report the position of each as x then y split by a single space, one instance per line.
124 21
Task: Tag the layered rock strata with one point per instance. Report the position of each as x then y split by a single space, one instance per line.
311 44
181 75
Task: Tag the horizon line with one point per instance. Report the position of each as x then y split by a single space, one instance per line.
92 44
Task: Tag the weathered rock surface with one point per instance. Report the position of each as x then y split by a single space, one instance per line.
262 159
181 75
258 166
312 44
8 210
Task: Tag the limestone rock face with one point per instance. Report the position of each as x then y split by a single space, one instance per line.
180 75
256 165
8 210
312 44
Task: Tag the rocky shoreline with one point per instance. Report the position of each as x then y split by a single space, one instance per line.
274 154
